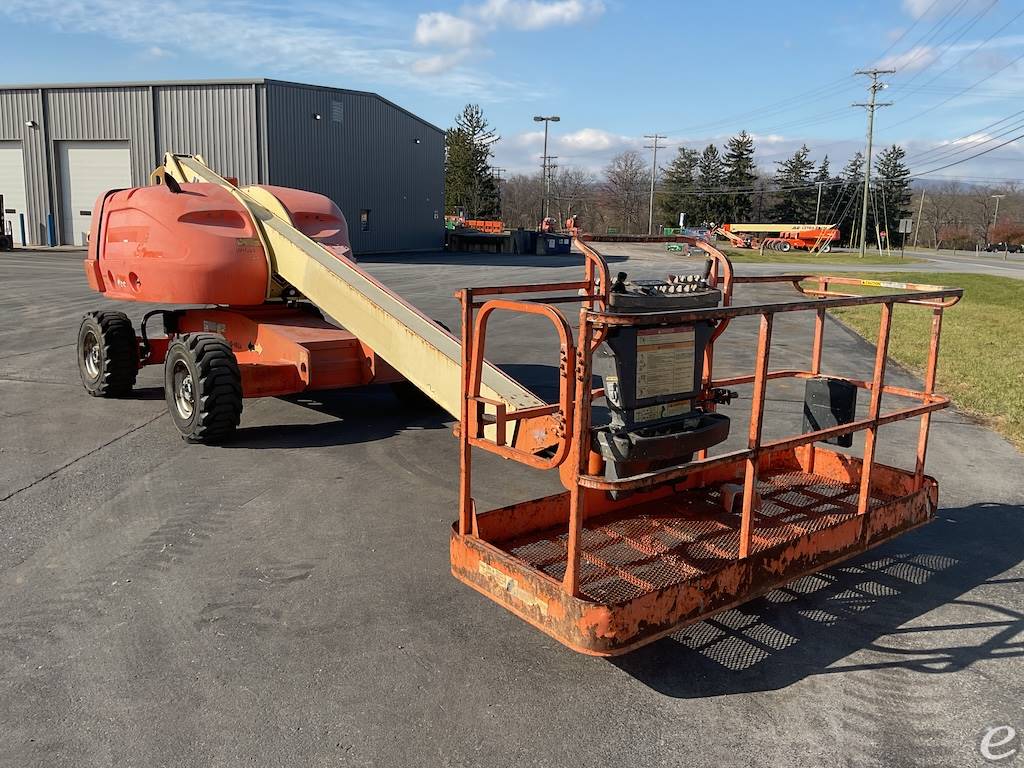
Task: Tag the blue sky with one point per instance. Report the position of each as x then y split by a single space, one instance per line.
613 70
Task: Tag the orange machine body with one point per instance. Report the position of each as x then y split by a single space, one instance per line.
199 246
196 246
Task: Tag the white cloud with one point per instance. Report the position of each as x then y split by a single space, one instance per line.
357 44
442 62
917 58
590 140
465 31
445 30
156 52
533 14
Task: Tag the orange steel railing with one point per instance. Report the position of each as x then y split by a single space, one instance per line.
569 448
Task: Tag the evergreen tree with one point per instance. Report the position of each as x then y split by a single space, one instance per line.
677 184
850 193
469 181
796 196
824 187
711 203
892 181
740 173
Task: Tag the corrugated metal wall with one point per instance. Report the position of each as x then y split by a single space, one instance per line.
114 113
365 154
218 122
17 108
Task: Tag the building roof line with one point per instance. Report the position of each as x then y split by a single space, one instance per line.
217 81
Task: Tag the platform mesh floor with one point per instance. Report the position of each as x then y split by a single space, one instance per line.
658 544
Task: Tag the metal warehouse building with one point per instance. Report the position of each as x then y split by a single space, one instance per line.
62 145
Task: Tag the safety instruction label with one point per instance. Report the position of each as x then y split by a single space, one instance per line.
664 361
662 411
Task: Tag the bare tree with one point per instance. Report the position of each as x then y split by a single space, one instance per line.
521 196
626 182
572 191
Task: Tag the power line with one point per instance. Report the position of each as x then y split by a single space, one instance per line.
959 93
966 159
963 58
953 151
946 43
921 45
909 29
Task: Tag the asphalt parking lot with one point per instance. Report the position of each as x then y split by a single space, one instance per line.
285 599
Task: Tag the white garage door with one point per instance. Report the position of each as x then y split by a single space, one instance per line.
87 170
12 187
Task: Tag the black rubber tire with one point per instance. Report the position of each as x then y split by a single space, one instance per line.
825 248
214 388
108 354
785 247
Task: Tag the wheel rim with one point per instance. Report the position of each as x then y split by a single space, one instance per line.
184 395
91 355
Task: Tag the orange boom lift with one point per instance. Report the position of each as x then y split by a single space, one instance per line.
655 529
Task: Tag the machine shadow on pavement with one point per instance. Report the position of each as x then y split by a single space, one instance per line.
359 415
868 606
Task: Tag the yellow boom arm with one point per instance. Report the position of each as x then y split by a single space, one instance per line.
408 340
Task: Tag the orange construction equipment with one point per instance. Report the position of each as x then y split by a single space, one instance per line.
489 226
781 237
654 529
274 263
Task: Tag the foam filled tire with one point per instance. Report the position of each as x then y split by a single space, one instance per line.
825 248
108 354
203 387
785 247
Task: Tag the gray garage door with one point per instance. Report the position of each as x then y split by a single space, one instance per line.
87 170
12 187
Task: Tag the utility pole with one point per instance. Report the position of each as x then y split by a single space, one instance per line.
817 208
547 120
654 174
496 173
920 213
871 106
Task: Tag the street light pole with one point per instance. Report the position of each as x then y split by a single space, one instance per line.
544 161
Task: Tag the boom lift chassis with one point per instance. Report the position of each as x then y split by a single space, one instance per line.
646 536
605 575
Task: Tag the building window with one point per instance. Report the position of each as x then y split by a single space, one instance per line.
364 220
